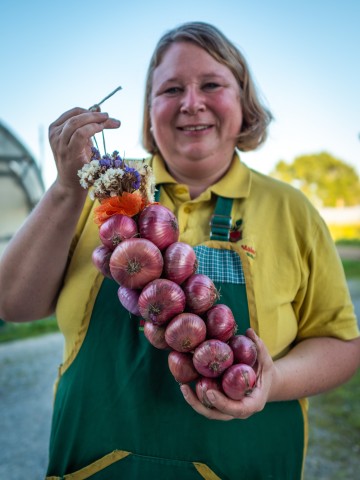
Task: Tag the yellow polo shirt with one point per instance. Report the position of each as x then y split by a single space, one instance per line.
298 287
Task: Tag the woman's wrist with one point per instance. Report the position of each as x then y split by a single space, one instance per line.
72 194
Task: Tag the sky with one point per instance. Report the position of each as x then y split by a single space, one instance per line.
303 54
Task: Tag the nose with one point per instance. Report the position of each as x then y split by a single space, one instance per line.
192 101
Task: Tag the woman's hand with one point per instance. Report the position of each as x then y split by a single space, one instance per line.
47 233
224 408
307 369
70 139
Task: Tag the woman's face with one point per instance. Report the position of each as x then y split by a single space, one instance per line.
195 111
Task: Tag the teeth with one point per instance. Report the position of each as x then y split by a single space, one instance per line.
198 127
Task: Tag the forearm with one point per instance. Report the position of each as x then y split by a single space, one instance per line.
314 366
32 267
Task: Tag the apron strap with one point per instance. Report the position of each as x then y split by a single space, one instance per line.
221 221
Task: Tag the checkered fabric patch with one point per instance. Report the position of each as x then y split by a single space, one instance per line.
220 265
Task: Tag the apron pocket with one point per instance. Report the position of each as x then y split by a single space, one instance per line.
125 465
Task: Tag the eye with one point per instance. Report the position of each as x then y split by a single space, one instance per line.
211 86
172 90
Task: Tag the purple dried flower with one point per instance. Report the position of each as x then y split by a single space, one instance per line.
95 154
118 162
137 177
106 161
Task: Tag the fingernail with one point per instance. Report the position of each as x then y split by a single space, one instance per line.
210 397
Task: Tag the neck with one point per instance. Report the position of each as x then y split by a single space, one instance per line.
197 182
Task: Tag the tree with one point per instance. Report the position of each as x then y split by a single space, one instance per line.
327 181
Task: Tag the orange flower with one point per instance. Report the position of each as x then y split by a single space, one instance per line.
128 204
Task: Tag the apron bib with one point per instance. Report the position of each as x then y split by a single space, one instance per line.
119 413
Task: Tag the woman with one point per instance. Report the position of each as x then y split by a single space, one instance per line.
118 412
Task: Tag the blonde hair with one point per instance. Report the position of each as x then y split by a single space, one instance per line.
256 117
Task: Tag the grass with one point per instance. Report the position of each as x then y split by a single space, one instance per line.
351 268
19 331
353 242
334 433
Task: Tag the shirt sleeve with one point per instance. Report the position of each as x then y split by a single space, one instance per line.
323 304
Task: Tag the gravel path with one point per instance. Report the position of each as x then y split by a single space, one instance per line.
27 373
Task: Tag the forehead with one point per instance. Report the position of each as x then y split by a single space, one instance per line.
182 59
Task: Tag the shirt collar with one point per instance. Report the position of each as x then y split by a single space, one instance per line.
234 184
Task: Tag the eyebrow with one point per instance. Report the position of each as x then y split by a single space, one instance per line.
207 76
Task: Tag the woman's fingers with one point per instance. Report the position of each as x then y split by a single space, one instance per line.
71 140
66 115
81 123
224 408
200 408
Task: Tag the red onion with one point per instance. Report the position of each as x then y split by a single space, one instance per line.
179 262
159 225
155 335
203 385
238 380
101 259
220 322
244 349
185 332
182 367
160 300
129 299
136 262
116 229
200 293
212 357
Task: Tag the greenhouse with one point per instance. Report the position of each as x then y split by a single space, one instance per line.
21 184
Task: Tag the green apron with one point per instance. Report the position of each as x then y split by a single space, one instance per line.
119 413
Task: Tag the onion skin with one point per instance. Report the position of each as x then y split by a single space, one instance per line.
180 262
159 225
200 292
185 332
101 259
129 299
161 300
244 349
203 385
155 335
182 367
136 262
212 357
116 229
220 322
238 380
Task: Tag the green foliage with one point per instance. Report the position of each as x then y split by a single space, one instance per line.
327 181
18 331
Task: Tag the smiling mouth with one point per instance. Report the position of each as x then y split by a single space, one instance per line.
195 128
